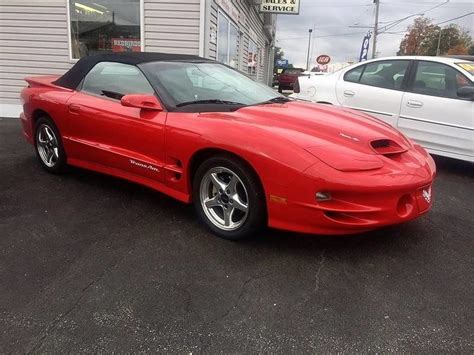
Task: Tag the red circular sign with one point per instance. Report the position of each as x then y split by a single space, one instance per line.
323 59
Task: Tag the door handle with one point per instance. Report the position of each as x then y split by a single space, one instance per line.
349 93
414 103
73 108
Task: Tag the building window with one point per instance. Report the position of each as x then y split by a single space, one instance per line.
252 60
104 26
227 41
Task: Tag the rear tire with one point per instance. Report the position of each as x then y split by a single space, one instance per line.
49 147
228 198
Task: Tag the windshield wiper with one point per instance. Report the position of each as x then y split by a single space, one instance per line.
210 101
275 100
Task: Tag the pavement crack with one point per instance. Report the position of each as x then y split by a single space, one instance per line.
243 288
317 280
318 273
52 325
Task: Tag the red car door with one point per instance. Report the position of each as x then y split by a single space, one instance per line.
103 132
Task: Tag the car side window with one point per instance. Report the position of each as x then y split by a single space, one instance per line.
437 79
115 80
387 74
353 75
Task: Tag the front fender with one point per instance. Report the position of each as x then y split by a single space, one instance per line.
277 162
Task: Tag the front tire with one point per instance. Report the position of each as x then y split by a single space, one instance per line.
228 198
49 147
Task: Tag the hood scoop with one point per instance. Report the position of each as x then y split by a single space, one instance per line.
386 147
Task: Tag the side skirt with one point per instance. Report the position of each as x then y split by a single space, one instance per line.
155 185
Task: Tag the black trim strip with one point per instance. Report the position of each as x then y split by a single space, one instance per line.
437 123
376 112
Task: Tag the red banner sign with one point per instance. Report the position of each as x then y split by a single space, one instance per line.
126 45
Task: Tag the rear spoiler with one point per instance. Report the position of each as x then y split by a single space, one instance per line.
45 80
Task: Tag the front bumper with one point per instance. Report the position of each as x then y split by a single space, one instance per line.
365 212
361 201
289 84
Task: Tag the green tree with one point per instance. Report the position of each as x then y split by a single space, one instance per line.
423 38
419 38
453 40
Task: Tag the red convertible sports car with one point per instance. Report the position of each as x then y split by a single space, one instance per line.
247 157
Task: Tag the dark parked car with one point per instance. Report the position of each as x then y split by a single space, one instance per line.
288 77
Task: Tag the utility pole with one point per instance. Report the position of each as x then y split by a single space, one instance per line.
376 27
439 41
309 46
312 46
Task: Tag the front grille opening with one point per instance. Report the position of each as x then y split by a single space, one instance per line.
346 218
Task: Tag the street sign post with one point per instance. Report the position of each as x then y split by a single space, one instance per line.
323 59
282 63
283 7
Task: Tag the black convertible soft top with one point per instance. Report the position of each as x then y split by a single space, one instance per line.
73 76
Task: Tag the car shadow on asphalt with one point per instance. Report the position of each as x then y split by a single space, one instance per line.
268 238
454 166
382 239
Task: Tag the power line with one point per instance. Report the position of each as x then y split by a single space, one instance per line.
397 22
333 35
293 29
457 4
455 18
335 4
436 24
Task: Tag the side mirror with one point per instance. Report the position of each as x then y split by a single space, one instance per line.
466 92
145 102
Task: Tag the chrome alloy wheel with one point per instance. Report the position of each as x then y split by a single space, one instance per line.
47 145
224 198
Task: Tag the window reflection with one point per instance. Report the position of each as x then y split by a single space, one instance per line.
104 26
223 39
233 48
252 59
227 41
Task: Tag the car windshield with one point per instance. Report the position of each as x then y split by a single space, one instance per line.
467 66
188 83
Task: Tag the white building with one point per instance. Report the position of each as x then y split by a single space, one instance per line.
40 37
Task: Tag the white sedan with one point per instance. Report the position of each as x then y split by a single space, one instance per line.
430 99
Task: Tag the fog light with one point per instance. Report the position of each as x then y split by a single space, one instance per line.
323 196
405 206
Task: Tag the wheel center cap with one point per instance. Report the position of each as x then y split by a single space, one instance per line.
225 198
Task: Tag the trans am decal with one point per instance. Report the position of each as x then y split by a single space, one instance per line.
144 165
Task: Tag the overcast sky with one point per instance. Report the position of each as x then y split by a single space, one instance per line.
332 18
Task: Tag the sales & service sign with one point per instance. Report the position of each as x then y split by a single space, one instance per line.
287 7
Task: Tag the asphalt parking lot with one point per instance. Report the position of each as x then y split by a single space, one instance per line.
91 263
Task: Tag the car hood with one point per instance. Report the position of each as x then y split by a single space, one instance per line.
344 139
